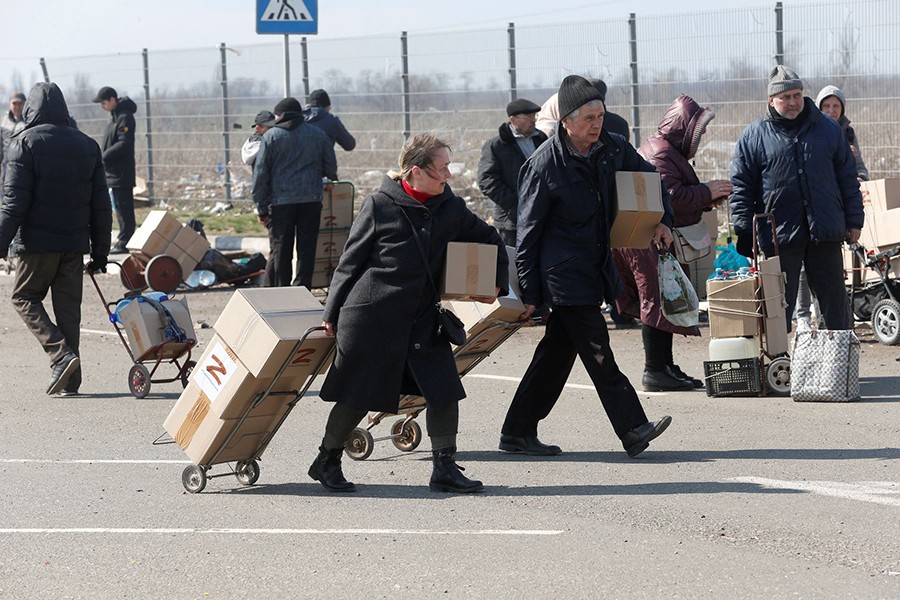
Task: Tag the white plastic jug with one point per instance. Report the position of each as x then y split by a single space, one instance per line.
733 348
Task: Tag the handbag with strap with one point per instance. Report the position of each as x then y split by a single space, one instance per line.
692 242
449 326
824 365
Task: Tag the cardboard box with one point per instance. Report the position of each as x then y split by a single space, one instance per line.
881 194
262 326
159 222
885 228
145 328
470 270
323 271
337 206
187 262
640 209
733 307
331 242
477 316
146 244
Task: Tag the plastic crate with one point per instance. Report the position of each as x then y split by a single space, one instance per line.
739 377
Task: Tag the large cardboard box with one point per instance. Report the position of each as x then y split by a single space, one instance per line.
881 194
262 326
337 206
640 209
885 227
733 307
145 328
331 242
771 279
155 233
477 316
470 270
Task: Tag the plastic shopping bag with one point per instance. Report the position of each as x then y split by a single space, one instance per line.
730 260
680 305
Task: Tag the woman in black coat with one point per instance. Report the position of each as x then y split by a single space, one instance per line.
382 309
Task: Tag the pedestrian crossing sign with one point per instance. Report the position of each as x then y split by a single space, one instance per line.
287 16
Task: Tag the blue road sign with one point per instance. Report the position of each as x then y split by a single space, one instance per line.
287 16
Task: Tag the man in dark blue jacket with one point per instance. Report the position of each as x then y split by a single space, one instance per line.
566 208
796 164
318 113
292 161
118 159
55 210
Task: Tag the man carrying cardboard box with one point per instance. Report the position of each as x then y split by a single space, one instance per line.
566 208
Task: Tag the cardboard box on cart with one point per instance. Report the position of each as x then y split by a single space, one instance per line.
145 328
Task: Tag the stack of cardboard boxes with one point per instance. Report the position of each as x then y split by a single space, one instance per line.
334 228
161 233
235 398
881 203
145 328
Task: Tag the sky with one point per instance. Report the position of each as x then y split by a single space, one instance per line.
74 28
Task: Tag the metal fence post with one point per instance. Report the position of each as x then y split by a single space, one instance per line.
779 34
404 56
44 69
635 110
304 57
149 133
511 30
225 124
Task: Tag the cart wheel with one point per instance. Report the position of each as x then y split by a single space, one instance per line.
406 435
139 381
193 478
360 444
886 322
778 375
163 274
186 372
247 472
131 274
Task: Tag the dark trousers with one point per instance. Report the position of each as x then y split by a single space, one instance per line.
657 348
825 274
292 223
122 199
573 331
62 275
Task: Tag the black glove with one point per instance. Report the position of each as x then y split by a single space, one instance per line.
97 264
745 245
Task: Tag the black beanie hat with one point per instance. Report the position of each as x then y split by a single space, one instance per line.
289 104
574 92
319 98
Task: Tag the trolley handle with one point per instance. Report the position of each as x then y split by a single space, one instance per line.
771 219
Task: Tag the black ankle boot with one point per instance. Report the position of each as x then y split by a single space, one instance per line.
446 476
326 469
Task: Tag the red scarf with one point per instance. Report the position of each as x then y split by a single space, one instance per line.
414 193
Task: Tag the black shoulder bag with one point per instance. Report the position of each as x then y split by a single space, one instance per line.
449 326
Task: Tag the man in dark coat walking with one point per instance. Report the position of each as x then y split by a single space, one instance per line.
501 158
55 210
118 159
796 164
566 208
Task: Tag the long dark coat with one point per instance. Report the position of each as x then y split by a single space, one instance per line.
668 150
383 306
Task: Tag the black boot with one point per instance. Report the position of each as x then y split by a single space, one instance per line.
446 476
326 469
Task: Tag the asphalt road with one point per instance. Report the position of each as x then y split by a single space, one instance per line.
740 498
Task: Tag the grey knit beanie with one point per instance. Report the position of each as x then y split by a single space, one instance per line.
782 79
574 92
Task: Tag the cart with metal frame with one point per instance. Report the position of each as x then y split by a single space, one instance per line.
195 476
877 301
406 434
171 351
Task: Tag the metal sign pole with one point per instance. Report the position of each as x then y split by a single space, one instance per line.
287 66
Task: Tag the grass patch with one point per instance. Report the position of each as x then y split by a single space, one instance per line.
237 221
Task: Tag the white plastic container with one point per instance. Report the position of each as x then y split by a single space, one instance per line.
733 348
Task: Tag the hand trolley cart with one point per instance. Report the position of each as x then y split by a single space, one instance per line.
406 434
246 466
769 371
170 351
162 273
879 300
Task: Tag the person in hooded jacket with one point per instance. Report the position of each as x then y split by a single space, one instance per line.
670 149
118 159
318 113
55 210
832 102
382 310
292 161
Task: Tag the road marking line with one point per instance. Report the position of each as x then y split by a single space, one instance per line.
877 492
88 461
192 531
98 332
577 386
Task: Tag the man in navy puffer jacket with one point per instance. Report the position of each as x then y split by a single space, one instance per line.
796 164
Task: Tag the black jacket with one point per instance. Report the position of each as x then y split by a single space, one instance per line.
383 306
55 197
331 125
805 178
118 145
566 207
498 173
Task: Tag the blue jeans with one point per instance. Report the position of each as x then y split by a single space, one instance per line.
122 199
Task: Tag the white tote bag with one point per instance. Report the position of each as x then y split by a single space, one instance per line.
824 365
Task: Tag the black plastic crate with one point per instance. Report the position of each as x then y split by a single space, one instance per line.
739 377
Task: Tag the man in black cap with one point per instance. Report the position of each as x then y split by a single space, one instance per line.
795 163
567 204
11 123
318 113
262 123
118 160
501 158
292 161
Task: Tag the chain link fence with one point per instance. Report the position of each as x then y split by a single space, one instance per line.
196 107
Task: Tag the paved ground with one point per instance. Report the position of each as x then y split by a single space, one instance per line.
741 498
